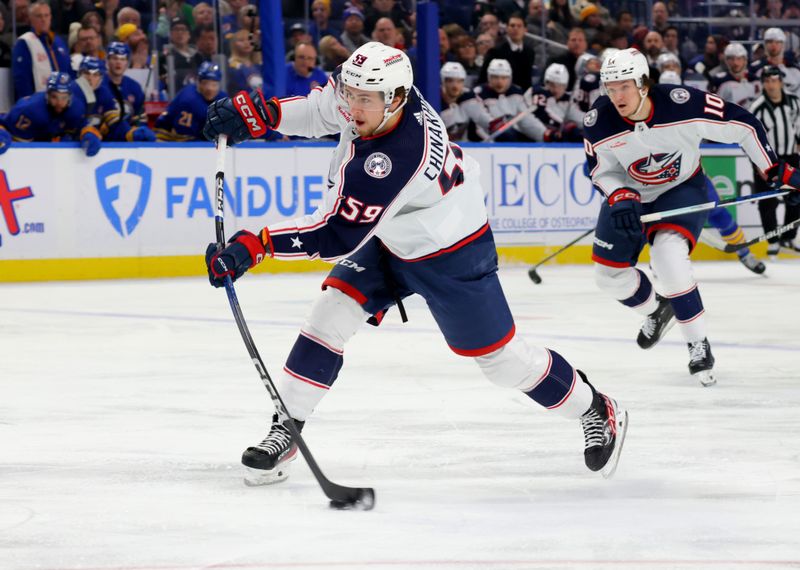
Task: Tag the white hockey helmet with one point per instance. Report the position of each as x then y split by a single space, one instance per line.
627 63
499 68
667 58
378 67
775 34
556 73
452 70
735 49
608 52
669 78
583 61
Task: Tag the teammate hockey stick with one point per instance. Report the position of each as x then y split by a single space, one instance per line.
655 216
362 498
732 247
532 271
511 122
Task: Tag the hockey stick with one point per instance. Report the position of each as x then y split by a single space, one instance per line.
655 216
511 122
532 271
733 247
341 497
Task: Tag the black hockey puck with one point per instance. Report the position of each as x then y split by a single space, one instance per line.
363 501
534 276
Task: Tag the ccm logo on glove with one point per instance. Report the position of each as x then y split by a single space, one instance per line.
623 194
244 105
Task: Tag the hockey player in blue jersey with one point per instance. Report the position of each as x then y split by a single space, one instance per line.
49 116
129 97
102 112
643 149
185 116
403 214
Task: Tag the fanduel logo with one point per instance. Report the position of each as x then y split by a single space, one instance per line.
110 193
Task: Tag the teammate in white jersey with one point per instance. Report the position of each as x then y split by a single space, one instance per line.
461 110
403 214
643 150
735 84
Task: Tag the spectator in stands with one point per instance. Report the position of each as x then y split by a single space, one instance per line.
67 11
128 15
321 25
467 56
302 74
617 38
560 17
353 35
378 9
386 33
591 21
672 41
490 24
202 15
5 37
140 50
37 53
653 47
626 23
483 43
249 20
205 39
576 47
129 97
93 19
230 20
106 10
180 52
710 58
185 116
49 116
332 53
517 49
533 21
244 65
660 17
87 43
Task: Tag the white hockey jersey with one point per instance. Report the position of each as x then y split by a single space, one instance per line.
410 187
661 152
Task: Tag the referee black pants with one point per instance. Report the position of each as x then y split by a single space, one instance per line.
767 208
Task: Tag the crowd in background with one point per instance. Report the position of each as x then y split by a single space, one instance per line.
511 70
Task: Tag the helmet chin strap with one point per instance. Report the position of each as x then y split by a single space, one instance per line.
643 95
387 115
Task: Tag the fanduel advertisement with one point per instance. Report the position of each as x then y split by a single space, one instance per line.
157 200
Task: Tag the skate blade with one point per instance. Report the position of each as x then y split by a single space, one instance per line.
706 378
610 467
259 477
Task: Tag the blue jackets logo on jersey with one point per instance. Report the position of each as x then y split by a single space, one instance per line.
109 194
658 168
378 165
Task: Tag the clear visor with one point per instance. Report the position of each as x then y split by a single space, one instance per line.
351 98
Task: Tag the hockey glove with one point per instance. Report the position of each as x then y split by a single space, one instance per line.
242 117
496 124
142 134
5 140
90 141
552 135
784 173
244 250
626 208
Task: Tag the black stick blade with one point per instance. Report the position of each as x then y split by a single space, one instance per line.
361 499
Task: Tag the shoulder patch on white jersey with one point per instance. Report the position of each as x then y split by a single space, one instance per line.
378 165
589 77
590 118
679 95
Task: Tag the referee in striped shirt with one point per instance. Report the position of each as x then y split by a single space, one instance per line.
780 113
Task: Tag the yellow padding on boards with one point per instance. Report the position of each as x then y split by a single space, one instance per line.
20 270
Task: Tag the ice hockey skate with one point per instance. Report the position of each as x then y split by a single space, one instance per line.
656 324
701 362
752 263
604 425
268 462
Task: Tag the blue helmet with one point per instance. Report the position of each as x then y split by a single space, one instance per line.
209 70
91 63
59 82
118 48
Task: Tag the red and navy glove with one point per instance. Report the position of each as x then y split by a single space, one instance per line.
244 250
242 117
784 173
626 208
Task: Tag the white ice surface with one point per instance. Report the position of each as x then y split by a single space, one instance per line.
125 406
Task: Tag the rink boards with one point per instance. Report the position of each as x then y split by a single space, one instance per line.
145 210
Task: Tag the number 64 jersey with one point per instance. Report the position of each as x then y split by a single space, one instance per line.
661 152
409 186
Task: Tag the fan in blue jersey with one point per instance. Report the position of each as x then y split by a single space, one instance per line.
403 214
48 116
129 97
185 116
643 150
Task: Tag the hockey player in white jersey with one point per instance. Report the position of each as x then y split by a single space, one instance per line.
643 150
554 116
403 214
587 82
461 110
501 99
734 85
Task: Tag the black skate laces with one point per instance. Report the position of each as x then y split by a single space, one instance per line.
278 439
